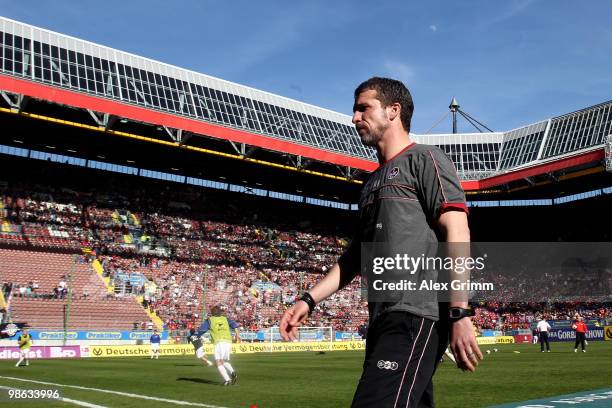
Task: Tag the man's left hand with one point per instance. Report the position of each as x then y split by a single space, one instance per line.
464 346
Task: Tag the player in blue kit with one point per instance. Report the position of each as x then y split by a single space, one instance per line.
155 341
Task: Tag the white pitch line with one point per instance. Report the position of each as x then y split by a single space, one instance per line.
72 401
82 403
124 394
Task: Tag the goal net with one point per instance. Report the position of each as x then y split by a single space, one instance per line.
305 334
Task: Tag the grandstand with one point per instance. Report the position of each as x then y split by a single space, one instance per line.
116 92
44 305
189 189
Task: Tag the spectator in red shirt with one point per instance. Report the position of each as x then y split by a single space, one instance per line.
581 330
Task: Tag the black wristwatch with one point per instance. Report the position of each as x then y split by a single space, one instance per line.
309 301
457 313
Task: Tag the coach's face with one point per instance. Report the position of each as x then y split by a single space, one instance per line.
370 118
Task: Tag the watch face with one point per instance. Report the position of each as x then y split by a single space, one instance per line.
457 313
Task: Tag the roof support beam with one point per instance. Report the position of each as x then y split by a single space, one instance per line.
103 120
348 172
16 101
241 150
294 162
177 135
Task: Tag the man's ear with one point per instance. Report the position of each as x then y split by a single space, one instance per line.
393 111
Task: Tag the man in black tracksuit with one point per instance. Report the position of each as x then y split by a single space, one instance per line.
413 197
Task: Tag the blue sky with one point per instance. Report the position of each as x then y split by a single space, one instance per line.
509 63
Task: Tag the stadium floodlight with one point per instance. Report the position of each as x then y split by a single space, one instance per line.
454 109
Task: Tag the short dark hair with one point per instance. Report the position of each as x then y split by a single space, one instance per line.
216 310
389 91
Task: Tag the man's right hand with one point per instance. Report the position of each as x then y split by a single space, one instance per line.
293 318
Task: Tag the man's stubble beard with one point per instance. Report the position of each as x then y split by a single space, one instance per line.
372 138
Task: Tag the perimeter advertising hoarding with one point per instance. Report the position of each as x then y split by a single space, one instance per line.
608 333
483 341
93 335
12 353
238 348
594 333
523 338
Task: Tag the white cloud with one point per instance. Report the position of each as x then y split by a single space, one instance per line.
511 10
433 28
398 70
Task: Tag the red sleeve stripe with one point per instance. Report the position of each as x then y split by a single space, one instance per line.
454 206
438 176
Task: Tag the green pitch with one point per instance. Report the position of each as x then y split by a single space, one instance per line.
301 380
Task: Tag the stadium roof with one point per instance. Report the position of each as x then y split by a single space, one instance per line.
113 85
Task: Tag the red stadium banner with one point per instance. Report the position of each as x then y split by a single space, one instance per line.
523 338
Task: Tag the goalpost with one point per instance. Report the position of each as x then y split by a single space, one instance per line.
322 335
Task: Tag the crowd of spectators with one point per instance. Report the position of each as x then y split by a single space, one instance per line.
522 315
31 289
192 257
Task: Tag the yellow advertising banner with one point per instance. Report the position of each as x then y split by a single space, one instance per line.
608 333
297 346
137 351
485 340
495 340
504 340
237 348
